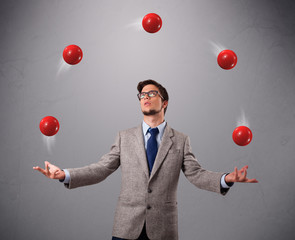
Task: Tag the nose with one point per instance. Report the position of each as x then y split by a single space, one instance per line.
146 96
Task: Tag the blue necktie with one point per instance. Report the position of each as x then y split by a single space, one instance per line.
152 147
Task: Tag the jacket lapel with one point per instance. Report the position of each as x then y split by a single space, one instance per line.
140 150
163 149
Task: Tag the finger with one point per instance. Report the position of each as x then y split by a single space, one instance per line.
243 178
40 170
252 180
46 167
243 169
50 165
236 173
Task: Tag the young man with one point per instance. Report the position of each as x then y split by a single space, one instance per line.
151 157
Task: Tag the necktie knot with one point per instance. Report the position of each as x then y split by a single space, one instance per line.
154 131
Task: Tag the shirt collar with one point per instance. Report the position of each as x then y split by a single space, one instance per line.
146 127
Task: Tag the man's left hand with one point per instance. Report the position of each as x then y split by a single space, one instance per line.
239 176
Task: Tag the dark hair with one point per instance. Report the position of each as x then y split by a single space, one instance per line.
162 90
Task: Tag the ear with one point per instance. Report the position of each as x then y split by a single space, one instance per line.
165 104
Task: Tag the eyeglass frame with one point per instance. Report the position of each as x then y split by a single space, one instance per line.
147 93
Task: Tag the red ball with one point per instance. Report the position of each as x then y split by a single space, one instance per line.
72 54
152 23
242 135
227 59
49 126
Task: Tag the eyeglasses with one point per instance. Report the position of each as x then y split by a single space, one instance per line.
152 93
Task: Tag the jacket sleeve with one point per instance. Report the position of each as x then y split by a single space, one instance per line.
96 172
201 178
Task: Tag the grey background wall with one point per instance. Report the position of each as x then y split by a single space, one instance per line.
96 98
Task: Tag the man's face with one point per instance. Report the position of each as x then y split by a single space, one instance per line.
151 105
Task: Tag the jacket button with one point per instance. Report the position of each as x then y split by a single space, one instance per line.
148 207
149 190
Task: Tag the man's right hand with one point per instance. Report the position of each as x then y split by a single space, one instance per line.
51 171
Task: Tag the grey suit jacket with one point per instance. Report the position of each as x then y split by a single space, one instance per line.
147 198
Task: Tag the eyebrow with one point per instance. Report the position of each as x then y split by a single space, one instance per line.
150 90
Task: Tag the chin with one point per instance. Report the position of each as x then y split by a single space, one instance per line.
151 112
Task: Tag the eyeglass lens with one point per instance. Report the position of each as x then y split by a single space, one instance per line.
150 94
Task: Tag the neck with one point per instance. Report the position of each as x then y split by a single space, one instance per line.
154 120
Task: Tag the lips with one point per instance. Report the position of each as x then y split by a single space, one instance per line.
147 103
